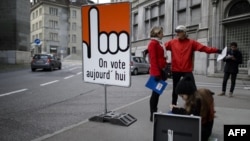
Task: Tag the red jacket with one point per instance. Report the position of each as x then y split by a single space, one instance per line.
182 53
156 57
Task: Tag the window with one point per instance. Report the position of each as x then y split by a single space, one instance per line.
40 35
162 14
162 21
162 8
53 11
154 11
147 28
135 26
40 24
195 15
36 13
182 17
33 27
53 49
73 50
147 13
40 11
33 15
196 2
53 24
53 36
135 32
240 33
182 4
188 12
154 22
154 15
73 13
136 18
33 38
74 26
36 26
241 7
73 38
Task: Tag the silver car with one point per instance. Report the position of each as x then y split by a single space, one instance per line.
139 65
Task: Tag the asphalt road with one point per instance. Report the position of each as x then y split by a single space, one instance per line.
33 104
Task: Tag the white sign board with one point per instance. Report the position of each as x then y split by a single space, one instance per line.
106 44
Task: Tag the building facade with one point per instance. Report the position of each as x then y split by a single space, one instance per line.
57 24
214 23
15 31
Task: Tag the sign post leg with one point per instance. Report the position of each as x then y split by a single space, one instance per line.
113 117
105 93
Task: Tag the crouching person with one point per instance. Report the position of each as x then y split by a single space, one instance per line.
198 102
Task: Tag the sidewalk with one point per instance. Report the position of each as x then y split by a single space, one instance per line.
234 110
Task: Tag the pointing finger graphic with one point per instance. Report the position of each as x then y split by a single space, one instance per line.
93 29
103 42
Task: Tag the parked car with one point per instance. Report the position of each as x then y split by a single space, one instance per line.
45 61
139 65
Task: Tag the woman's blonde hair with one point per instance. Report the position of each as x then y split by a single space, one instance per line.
155 31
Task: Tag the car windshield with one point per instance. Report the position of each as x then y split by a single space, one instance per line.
41 57
136 59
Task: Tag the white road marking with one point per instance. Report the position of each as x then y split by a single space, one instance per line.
17 91
44 84
132 103
79 73
69 77
73 69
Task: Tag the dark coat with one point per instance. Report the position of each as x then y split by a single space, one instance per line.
208 121
232 66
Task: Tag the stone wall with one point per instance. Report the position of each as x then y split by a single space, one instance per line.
15 57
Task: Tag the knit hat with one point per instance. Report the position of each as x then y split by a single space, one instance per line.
185 86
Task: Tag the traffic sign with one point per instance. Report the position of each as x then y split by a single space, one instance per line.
106 43
37 41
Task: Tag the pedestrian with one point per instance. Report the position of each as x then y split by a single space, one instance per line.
182 52
198 102
232 59
157 64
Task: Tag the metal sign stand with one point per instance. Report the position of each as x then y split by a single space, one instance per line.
122 119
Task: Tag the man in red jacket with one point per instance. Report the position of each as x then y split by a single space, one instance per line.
182 51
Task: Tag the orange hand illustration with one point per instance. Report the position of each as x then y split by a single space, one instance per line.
102 42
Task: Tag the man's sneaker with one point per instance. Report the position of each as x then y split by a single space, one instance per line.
230 94
221 94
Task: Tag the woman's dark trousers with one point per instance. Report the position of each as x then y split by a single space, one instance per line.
154 99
